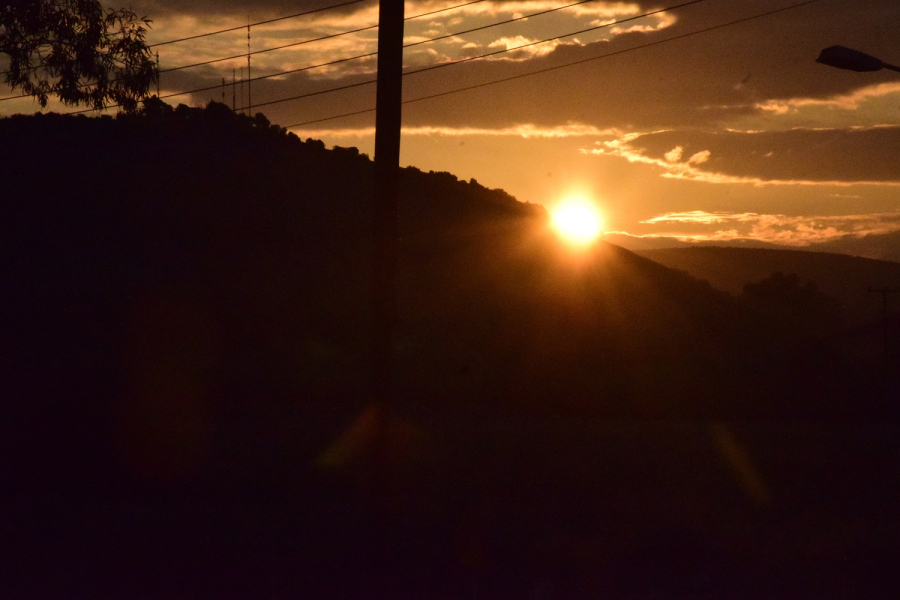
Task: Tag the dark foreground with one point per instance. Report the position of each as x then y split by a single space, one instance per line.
565 508
184 405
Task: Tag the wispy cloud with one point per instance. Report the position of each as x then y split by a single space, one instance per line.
850 101
851 156
522 48
526 131
773 228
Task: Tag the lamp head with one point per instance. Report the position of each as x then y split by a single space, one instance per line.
852 60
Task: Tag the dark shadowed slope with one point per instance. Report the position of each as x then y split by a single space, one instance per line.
126 234
185 410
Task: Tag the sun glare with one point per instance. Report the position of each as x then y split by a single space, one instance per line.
577 220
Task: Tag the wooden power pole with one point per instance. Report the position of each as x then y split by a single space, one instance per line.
385 207
383 293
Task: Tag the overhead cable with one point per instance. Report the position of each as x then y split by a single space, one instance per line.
375 53
326 37
241 27
230 29
334 35
471 58
566 65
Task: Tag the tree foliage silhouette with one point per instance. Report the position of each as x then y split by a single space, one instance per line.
77 51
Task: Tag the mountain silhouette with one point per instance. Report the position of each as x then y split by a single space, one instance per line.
186 406
845 278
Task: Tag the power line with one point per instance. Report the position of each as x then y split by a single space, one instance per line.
202 35
236 56
213 87
371 54
589 29
506 22
366 28
209 33
230 29
566 65
471 58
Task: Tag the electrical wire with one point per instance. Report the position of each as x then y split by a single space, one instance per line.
566 65
372 54
460 61
240 27
450 63
334 35
236 56
498 23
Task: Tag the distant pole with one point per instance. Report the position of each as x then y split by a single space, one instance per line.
249 82
885 291
157 74
384 211
241 81
223 91
233 91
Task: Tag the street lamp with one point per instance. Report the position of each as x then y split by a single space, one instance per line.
852 60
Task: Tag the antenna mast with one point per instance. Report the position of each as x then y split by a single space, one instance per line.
249 82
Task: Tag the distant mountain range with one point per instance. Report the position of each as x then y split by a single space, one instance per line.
845 278
877 246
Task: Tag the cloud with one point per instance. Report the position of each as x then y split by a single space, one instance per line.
797 157
522 48
848 101
674 155
525 131
771 228
699 158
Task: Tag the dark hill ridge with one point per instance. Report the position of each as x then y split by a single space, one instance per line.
185 328
197 210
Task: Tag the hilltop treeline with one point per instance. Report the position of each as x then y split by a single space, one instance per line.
186 312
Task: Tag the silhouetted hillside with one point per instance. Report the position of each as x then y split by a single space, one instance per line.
185 406
253 242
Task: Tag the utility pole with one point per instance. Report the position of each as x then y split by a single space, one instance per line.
382 291
385 207
885 292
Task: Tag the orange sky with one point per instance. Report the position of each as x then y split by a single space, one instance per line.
731 133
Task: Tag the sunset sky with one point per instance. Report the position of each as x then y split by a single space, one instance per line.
730 133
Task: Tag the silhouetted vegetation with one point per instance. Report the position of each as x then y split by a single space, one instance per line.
185 321
76 51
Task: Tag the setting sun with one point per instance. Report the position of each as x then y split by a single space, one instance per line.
577 220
